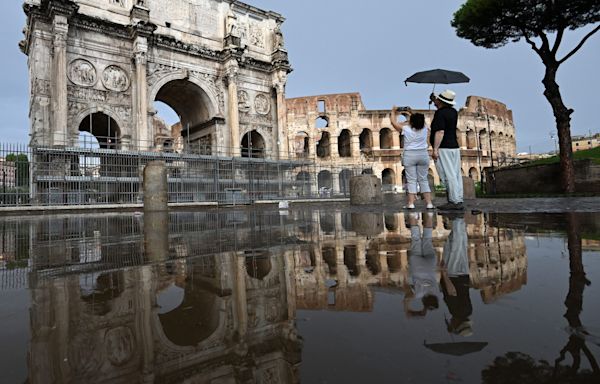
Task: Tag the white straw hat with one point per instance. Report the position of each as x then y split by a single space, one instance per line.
447 97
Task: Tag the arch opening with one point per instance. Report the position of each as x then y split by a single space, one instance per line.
388 177
344 144
386 139
366 140
188 103
324 145
345 176
103 131
325 182
253 145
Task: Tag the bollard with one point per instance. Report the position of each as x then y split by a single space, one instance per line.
365 189
156 197
468 188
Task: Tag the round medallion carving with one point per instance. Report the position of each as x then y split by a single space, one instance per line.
82 72
262 104
115 78
119 344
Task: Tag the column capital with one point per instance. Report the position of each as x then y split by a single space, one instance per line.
279 81
140 50
232 70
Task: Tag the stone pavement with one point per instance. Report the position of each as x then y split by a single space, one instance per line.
534 204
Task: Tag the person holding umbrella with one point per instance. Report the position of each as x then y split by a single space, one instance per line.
446 151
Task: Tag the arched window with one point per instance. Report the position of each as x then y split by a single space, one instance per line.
386 140
344 144
366 140
322 122
324 145
388 177
253 145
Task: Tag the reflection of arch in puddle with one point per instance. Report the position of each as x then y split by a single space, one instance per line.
394 261
327 221
351 260
258 265
373 262
194 320
329 257
391 222
99 290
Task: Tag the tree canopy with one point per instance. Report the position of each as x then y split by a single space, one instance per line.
494 23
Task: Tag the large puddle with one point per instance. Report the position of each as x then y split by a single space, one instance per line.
308 296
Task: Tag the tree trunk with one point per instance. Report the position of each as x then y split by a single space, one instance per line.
562 115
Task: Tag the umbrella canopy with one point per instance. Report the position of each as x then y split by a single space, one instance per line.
457 349
438 76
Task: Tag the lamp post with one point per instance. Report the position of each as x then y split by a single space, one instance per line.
482 110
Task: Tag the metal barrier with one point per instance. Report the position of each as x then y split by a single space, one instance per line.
87 175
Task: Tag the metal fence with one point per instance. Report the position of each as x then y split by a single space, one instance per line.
84 175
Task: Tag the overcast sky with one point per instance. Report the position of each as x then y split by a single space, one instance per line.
370 47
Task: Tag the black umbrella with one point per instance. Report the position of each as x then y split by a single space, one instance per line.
437 76
457 349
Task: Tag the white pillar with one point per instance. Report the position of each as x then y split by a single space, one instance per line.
60 28
144 136
281 138
233 112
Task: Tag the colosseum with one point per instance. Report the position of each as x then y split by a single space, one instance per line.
343 138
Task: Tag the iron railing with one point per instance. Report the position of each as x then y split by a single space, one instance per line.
87 174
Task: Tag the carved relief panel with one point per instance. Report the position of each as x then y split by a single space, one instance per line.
82 72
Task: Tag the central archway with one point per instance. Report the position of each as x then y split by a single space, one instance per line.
195 109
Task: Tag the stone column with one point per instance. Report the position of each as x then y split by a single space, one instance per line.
144 137
335 184
395 139
59 128
376 136
240 297
279 81
355 145
233 112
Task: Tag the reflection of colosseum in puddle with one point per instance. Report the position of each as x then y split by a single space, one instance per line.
339 271
213 313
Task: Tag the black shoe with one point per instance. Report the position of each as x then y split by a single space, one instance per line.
452 207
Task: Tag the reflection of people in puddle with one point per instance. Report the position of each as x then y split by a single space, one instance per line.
422 267
455 280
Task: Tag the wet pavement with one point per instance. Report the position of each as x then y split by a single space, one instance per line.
336 295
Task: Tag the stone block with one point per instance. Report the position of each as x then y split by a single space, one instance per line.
468 188
365 189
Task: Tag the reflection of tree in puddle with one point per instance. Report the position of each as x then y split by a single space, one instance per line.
519 367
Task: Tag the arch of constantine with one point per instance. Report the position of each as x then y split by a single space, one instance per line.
98 66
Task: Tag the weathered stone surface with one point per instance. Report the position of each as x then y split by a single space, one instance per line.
156 196
546 178
367 223
468 188
365 189
117 57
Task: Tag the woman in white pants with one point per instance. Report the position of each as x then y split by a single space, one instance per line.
415 157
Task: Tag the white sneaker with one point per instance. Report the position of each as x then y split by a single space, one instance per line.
430 206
